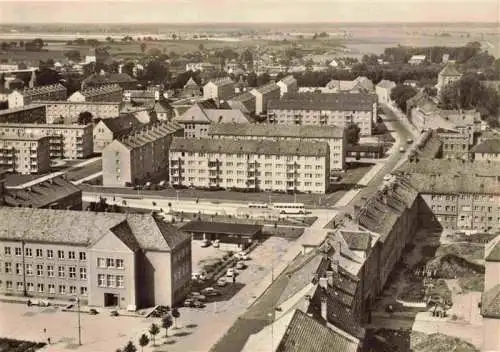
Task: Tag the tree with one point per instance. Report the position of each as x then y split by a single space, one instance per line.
174 36
128 68
252 79
156 72
176 315
154 52
143 47
84 118
166 323
47 76
154 330
73 55
401 93
143 341
201 47
129 347
263 79
352 133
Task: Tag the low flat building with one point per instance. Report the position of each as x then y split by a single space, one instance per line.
330 109
220 89
231 236
107 93
139 156
125 261
27 96
334 136
488 149
34 113
263 95
257 165
54 193
25 154
66 141
68 112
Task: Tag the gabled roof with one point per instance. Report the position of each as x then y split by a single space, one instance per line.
450 70
305 334
195 113
490 303
191 83
122 124
357 241
490 146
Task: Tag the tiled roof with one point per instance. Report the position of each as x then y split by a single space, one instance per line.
224 116
358 241
304 334
266 147
85 227
442 166
324 101
490 303
244 97
272 130
488 146
267 88
122 124
453 183
222 228
149 133
220 82
450 70
162 107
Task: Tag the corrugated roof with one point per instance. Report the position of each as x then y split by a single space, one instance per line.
490 303
265 147
324 101
272 130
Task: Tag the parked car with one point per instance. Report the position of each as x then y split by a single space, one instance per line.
197 296
114 313
147 185
92 311
242 256
409 141
401 150
205 243
210 292
198 304
216 244
231 272
188 302
221 282
241 265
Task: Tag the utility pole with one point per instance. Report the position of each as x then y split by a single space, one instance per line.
79 324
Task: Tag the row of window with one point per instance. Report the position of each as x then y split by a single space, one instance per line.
40 288
110 263
116 281
175 156
38 252
38 270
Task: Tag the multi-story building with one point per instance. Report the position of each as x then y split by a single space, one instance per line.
68 112
107 93
245 102
288 84
359 85
27 96
191 88
448 75
197 119
34 113
330 109
455 143
383 90
488 149
127 261
220 89
139 155
263 95
66 141
107 130
282 166
24 154
334 136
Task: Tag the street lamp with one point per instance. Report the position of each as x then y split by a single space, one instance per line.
77 300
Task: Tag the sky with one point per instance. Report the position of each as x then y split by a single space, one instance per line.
235 11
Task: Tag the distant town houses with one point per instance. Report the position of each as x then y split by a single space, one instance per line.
107 93
104 79
27 96
221 89
359 85
58 111
107 130
200 66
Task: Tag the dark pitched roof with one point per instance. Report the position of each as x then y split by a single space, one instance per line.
122 124
324 101
358 241
267 88
487 146
125 234
490 303
222 228
493 253
109 78
450 70
442 166
304 334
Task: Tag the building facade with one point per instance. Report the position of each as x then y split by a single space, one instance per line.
107 130
335 109
34 113
383 90
67 112
66 141
455 144
220 89
25 154
27 96
258 165
263 95
448 75
139 155
106 259
288 84
334 136
488 149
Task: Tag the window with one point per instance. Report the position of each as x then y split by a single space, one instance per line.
61 271
29 269
83 273
83 256
8 285
110 281
19 269
60 254
119 281
72 290
18 251
30 286
110 262
20 286
28 252
39 287
72 272
71 255
101 280
52 288
39 253
119 263
101 262
39 270
83 291
50 253
62 289
7 250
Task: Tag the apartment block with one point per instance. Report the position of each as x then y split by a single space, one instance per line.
34 113
334 136
106 93
67 112
25 154
220 89
109 260
325 109
66 141
27 96
139 155
288 84
263 95
107 130
455 143
282 166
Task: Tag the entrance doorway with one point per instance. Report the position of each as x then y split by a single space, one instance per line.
110 300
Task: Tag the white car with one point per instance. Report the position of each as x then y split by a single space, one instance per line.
216 244
387 177
242 256
231 272
221 282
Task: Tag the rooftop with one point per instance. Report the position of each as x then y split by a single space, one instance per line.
121 125
288 80
264 147
43 125
450 166
109 78
105 89
21 137
324 101
20 108
450 70
149 133
267 88
272 130
220 82
197 113
489 146
43 89
490 303
222 228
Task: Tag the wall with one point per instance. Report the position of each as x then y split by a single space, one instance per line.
491 341
492 275
159 271
116 173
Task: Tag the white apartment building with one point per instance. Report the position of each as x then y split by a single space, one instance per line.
67 112
66 141
257 165
27 96
329 109
219 89
24 154
334 136
263 95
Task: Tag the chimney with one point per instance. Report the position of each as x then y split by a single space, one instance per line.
324 309
329 277
335 266
323 282
307 302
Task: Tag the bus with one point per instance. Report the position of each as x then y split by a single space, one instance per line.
258 206
290 208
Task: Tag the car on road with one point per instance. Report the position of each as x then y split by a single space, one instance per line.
242 256
241 265
231 272
210 292
216 244
409 141
192 303
221 282
402 150
198 276
197 296
388 177
205 243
